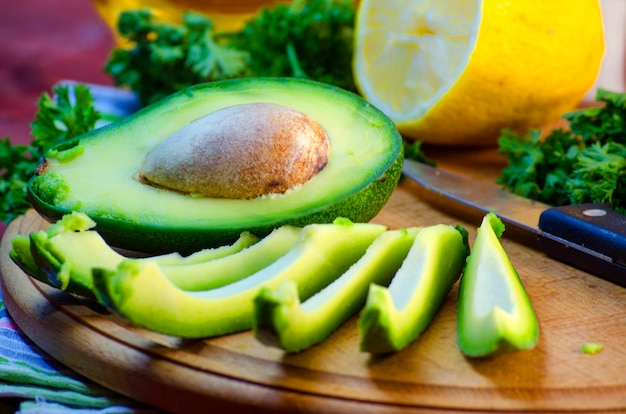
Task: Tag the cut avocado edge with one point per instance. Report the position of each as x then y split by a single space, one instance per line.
142 294
245 240
231 268
495 315
282 321
68 258
48 266
22 256
395 316
363 170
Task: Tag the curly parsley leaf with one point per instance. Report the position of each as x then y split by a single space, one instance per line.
18 165
586 163
56 121
63 117
308 39
413 151
599 175
602 124
166 57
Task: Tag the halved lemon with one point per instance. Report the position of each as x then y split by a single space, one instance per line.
457 72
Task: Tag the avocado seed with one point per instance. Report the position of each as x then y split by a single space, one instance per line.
242 151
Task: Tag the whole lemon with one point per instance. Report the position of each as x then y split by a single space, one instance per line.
457 72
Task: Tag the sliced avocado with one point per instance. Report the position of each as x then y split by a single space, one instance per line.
96 173
65 254
140 292
68 258
52 270
393 317
223 271
245 240
494 312
282 321
22 256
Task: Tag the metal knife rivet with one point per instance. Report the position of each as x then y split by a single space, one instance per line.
594 212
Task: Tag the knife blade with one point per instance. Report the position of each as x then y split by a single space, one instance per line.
590 237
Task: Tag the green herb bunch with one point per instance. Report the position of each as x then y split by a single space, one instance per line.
57 120
305 39
167 57
585 163
310 39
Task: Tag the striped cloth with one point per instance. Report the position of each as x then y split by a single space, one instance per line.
36 383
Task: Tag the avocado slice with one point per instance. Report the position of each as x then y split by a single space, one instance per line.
96 173
25 253
393 317
494 313
245 240
140 292
223 271
281 320
22 256
64 254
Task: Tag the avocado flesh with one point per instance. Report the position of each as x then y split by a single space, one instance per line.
281 320
141 293
96 173
52 269
394 317
244 241
65 254
494 313
229 269
22 256
70 269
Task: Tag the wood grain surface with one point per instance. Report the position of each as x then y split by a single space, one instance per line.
431 375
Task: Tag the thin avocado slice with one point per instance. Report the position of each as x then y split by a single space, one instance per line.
494 313
97 173
140 292
65 254
393 317
22 256
281 320
223 271
245 240
67 259
72 236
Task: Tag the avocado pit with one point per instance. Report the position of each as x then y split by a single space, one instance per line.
239 152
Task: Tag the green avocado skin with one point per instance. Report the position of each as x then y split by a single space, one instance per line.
95 173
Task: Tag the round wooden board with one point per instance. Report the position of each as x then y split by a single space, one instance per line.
431 375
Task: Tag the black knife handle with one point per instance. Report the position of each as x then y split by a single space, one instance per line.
589 236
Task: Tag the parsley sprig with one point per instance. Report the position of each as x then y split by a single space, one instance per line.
585 163
166 57
308 39
57 120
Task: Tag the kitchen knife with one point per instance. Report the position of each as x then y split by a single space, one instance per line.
591 237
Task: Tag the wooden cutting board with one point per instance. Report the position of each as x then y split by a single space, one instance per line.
431 375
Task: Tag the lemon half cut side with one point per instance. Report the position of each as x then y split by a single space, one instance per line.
457 72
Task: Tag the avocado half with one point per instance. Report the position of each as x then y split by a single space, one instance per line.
96 172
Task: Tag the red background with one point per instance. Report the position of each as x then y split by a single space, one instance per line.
41 43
